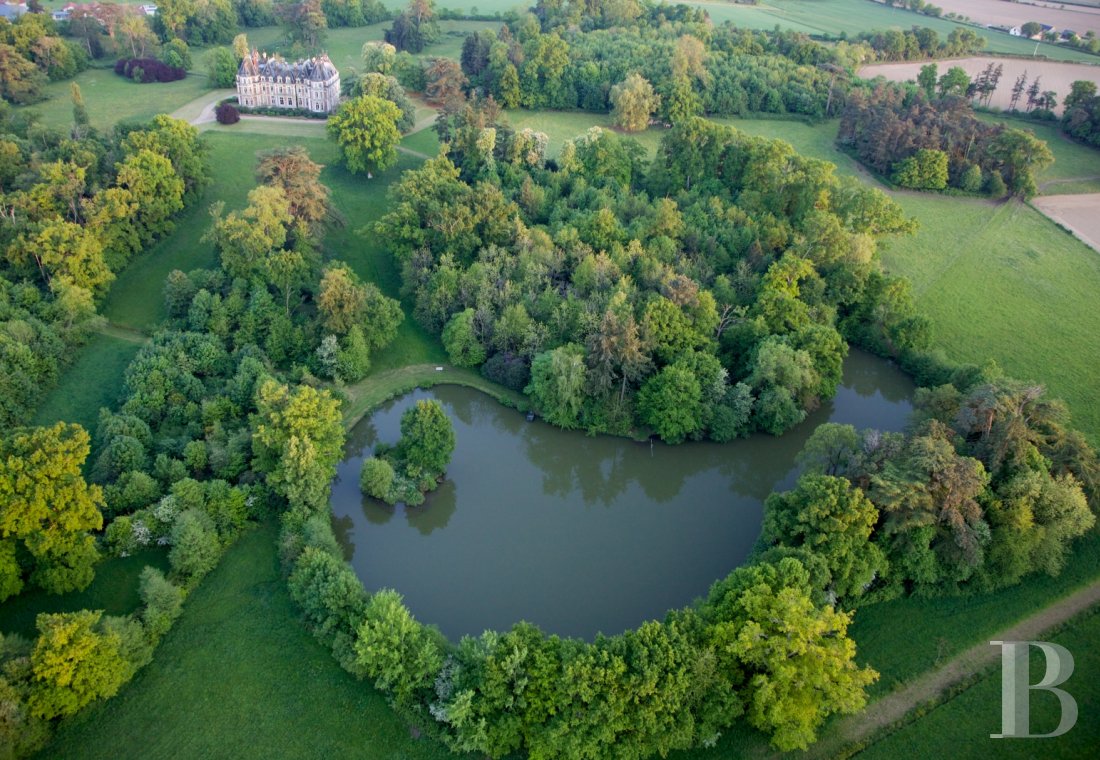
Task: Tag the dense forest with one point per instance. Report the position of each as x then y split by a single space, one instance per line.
76 208
32 53
932 143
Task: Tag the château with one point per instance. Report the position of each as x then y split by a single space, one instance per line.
270 82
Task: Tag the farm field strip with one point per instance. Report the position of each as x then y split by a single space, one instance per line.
1080 213
1054 75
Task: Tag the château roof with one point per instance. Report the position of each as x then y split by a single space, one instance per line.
317 69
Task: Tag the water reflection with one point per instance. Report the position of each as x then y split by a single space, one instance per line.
578 534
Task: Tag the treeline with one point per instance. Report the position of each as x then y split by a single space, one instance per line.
76 208
662 297
934 143
32 53
694 68
1081 118
922 43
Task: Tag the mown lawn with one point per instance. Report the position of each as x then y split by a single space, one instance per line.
114 590
239 677
111 98
94 380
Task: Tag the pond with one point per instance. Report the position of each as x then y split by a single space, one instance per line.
576 534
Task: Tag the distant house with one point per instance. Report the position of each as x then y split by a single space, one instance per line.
61 15
12 11
150 9
1068 34
1015 31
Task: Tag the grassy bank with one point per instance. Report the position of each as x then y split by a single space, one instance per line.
239 677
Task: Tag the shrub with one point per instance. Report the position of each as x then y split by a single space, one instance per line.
146 70
227 113
163 601
376 478
195 548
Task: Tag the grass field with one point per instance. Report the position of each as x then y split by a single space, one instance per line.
94 380
111 99
239 677
961 727
114 590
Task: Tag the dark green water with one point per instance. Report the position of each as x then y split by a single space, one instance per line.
576 534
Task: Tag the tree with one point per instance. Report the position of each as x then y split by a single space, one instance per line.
402 656
461 341
66 252
378 57
924 170
557 385
21 81
833 519
74 662
954 82
446 81
927 79
246 239
195 547
633 101
46 504
387 88
227 113
157 189
1031 28
415 28
345 302
427 439
1080 93
799 662
221 67
298 439
300 180
1020 155
366 131
376 477
305 22
671 403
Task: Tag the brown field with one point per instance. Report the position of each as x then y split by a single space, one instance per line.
1054 76
1080 213
1003 13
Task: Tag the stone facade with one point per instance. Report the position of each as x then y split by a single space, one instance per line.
309 85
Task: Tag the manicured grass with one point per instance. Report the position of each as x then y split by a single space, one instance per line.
425 141
382 386
92 381
111 98
114 590
238 676
962 726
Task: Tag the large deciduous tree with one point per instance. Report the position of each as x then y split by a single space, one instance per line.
633 101
427 439
366 130
47 506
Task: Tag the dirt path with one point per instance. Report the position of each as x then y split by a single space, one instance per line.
124 333
899 703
